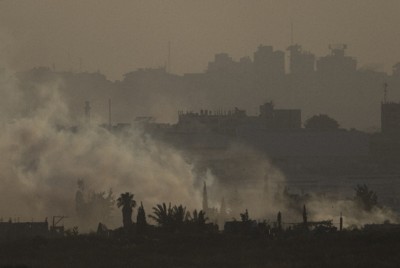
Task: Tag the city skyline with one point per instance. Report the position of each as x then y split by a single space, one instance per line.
116 38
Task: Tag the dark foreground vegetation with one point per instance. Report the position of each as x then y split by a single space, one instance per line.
182 238
338 249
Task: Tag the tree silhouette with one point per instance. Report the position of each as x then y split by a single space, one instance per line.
127 203
141 219
199 218
178 216
101 204
245 216
162 215
171 218
93 206
321 122
365 198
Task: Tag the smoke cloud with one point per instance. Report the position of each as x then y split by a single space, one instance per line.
263 191
44 153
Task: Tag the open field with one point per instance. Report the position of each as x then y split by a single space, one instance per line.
346 249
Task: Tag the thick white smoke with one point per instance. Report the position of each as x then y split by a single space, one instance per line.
250 182
262 191
320 208
44 154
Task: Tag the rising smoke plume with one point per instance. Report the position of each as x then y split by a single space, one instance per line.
262 190
44 154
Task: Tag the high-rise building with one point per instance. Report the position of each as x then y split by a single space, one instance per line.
390 118
337 62
301 62
269 63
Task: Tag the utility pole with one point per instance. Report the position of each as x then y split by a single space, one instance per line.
169 58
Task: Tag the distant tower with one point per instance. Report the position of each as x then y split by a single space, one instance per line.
305 222
205 198
279 221
87 112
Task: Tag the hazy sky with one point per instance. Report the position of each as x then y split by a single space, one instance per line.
119 36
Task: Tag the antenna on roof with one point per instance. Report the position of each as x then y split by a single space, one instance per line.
169 58
291 33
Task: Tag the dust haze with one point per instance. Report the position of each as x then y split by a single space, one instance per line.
183 36
155 58
120 36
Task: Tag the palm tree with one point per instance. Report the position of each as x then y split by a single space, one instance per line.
170 218
127 203
199 218
162 214
178 215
